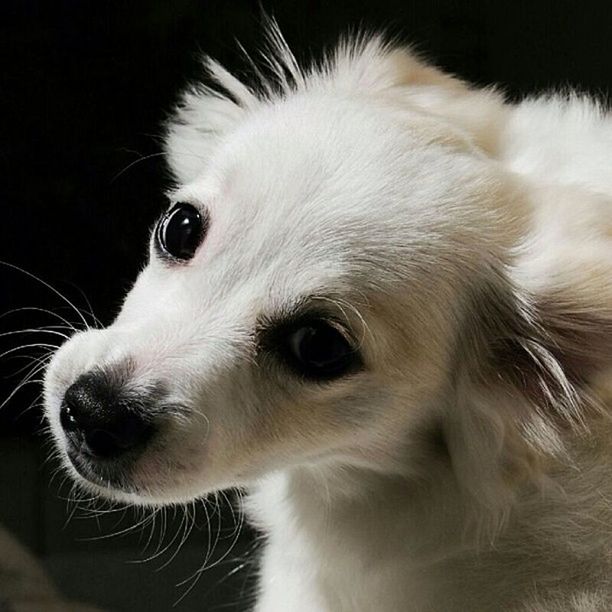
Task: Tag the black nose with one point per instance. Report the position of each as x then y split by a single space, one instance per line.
99 419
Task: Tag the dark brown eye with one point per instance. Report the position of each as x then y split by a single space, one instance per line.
180 231
318 350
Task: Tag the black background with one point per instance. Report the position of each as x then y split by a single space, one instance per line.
85 88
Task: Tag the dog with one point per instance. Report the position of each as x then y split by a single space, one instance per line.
381 301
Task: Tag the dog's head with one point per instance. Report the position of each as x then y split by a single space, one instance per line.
330 284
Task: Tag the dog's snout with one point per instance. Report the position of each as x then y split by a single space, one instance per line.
98 421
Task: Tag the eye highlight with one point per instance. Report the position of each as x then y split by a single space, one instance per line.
318 350
180 231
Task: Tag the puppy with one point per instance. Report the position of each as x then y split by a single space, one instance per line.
381 300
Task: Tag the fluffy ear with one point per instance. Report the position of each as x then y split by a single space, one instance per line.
524 384
398 72
201 119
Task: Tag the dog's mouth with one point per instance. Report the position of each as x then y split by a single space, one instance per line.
106 475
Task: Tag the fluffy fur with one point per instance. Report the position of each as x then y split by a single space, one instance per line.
466 243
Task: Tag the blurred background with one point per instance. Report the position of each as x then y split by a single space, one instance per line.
84 89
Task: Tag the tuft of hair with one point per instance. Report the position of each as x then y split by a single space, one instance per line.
360 64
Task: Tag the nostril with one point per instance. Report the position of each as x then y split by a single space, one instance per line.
67 418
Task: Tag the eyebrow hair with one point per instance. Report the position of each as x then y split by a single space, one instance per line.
309 308
299 308
272 330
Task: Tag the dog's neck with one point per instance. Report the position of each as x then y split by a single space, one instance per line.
349 539
327 526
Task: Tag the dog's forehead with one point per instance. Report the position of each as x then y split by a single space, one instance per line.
318 171
311 196
313 148
283 155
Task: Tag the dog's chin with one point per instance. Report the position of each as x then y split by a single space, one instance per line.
108 482
118 483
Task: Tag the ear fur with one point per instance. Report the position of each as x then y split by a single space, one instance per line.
478 113
522 389
495 409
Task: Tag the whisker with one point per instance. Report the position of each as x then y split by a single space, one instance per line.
26 346
122 532
189 522
193 579
68 324
89 311
32 362
48 286
136 162
35 330
28 379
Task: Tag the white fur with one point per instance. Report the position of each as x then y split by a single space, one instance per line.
467 244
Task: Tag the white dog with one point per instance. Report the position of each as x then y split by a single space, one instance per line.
382 300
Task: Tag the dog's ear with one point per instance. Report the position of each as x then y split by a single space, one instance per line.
399 73
527 363
201 119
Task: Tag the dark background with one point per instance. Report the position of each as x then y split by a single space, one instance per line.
84 90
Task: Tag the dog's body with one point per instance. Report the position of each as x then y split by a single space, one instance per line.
457 453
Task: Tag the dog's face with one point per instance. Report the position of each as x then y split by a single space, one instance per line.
301 302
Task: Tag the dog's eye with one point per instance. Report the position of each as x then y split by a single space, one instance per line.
320 351
180 231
